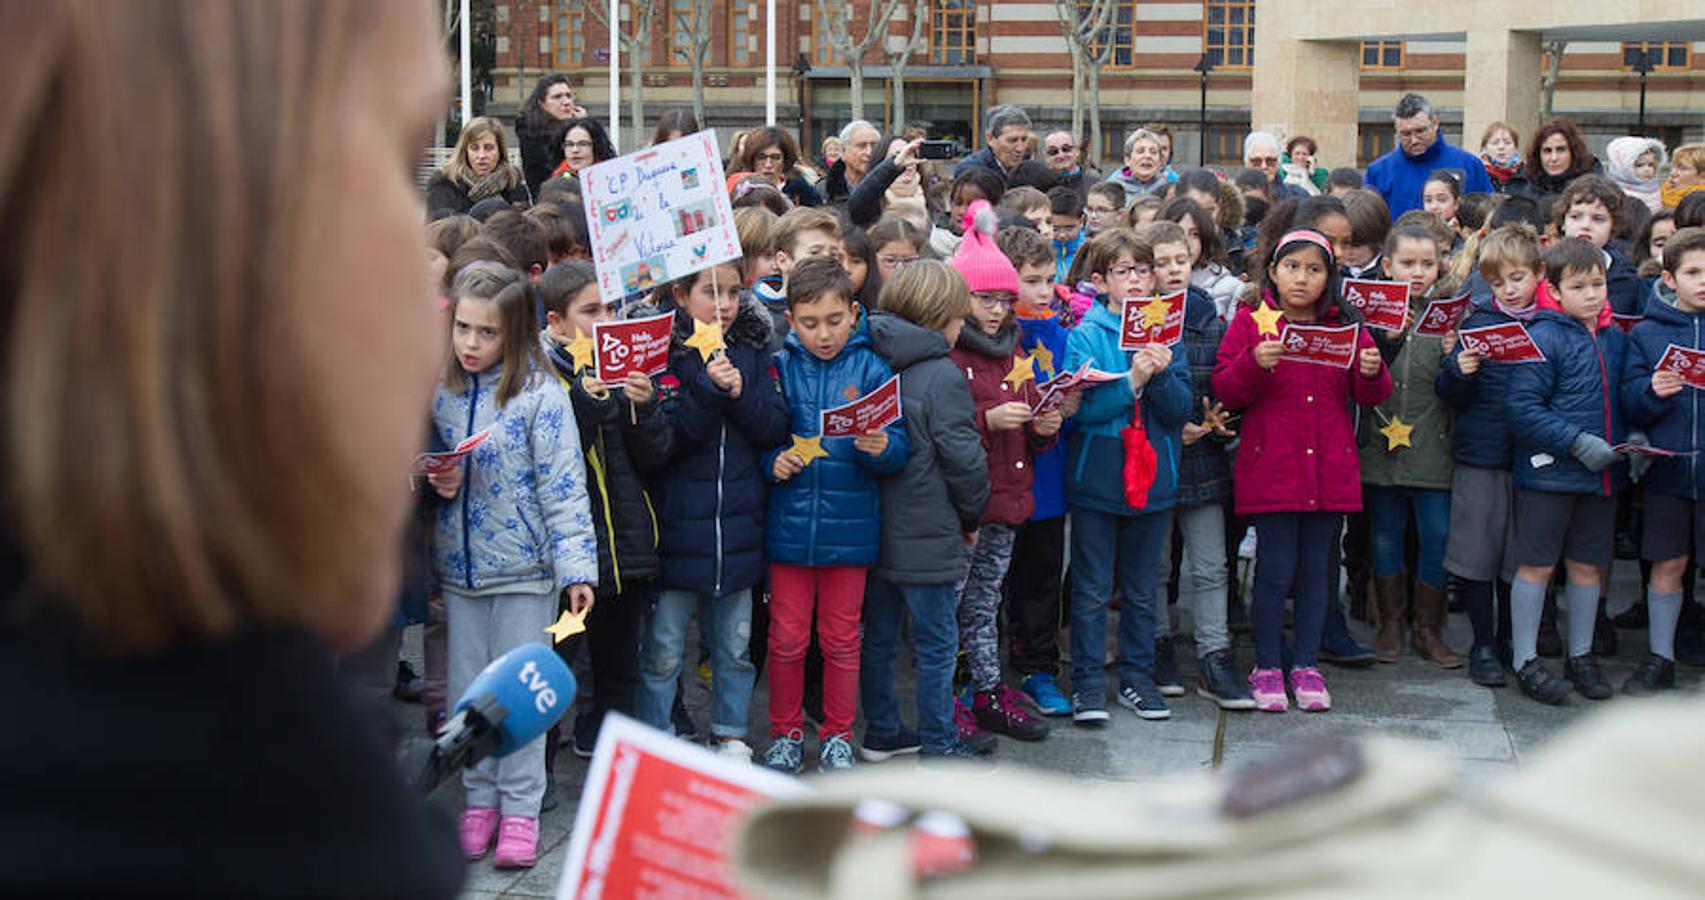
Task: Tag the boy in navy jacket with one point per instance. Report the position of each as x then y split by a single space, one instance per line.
1565 418
1659 402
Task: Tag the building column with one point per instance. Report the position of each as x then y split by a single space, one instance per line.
1502 83
1307 87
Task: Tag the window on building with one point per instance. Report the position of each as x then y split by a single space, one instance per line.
953 32
1661 54
1230 33
680 32
739 34
1225 147
1120 32
568 37
1374 141
1382 54
823 51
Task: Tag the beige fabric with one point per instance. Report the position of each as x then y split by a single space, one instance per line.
1615 808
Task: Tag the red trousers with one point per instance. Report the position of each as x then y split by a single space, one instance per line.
836 594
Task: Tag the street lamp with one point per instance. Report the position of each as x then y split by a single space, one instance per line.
1642 63
1203 67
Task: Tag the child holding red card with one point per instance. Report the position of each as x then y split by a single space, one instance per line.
1406 462
1003 387
1659 402
1565 416
1483 449
1296 469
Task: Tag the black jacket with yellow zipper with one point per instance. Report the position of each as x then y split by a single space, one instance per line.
623 444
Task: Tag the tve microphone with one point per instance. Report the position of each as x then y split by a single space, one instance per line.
512 702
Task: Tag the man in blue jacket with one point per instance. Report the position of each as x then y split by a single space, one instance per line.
1398 176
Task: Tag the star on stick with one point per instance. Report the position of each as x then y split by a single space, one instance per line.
1154 313
1396 434
1267 318
807 448
1044 358
1020 372
580 350
707 339
566 627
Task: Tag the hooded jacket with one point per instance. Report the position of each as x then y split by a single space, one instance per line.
1204 477
521 522
1622 283
1095 451
830 514
1481 437
623 444
988 361
941 493
1671 423
1135 188
710 497
1399 177
1414 362
1297 446
1574 390
1044 340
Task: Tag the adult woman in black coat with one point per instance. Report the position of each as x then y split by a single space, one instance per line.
1556 156
478 169
551 104
771 152
577 144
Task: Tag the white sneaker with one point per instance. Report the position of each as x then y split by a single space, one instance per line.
1246 548
734 748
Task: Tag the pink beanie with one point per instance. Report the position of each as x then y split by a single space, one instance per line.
982 264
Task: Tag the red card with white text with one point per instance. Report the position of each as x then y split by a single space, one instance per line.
1658 452
658 816
439 463
634 345
1508 343
1384 304
1320 345
1152 320
1442 316
877 409
1627 323
1689 364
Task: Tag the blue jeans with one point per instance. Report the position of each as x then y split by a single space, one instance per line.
732 673
1388 524
935 643
1290 560
1105 547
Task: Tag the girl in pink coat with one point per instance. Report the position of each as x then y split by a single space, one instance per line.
1296 470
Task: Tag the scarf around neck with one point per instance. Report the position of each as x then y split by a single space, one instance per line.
491 184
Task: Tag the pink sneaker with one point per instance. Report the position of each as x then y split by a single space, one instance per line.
475 830
1310 690
517 843
1268 686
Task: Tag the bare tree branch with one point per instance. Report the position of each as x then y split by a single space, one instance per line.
639 13
898 60
839 22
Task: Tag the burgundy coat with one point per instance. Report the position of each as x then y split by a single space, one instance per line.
1297 451
986 362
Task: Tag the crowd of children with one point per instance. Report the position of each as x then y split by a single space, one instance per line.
708 492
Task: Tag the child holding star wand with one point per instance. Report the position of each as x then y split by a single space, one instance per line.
1296 471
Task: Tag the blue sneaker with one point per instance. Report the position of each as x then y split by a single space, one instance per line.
1089 711
835 754
878 747
1144 700
786 754
1047 695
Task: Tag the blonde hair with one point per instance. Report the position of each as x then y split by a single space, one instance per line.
192 485
756 227
460 171
1692 154
1515 244
927 293
784 234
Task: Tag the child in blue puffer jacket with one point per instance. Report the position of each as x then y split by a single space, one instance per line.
1110 538
517 533
1566 418
825 512
1660 402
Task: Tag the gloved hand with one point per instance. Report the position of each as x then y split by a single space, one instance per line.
1638 463
1593 452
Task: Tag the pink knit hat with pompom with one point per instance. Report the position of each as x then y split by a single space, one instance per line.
982 264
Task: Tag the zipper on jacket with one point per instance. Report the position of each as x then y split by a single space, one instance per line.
595 461
1604 381
1693 461
721 457
467 483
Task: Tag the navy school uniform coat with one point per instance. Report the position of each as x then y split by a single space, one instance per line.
1551 403
1672 423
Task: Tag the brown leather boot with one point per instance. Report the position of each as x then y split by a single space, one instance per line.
1390 603
1428 636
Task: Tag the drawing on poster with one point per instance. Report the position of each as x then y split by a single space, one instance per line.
644 274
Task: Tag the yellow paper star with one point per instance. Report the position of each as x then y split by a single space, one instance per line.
1268 319
1044 358
807 448
707 339
566 627
1396 434
1020 372
581 351
1154 313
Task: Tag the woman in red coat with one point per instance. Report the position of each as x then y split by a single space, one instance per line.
1296 467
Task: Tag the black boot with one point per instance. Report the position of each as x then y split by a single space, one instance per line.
1484 667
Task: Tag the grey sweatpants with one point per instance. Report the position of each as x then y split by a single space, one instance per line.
482 629
1201 576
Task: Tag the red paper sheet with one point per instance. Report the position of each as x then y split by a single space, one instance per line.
1627 323
1443 315
634 345
1135 331
1690 364
439 463
1385 304
1320 345
877 409
1508 342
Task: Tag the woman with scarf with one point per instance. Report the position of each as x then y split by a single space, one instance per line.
1633 163
479 168
1686 175
1500 151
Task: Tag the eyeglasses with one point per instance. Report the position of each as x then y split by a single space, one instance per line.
1061 150
768 157
1263 161
1098 211
895 262
1129 271
993 300
576 145
1415 132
